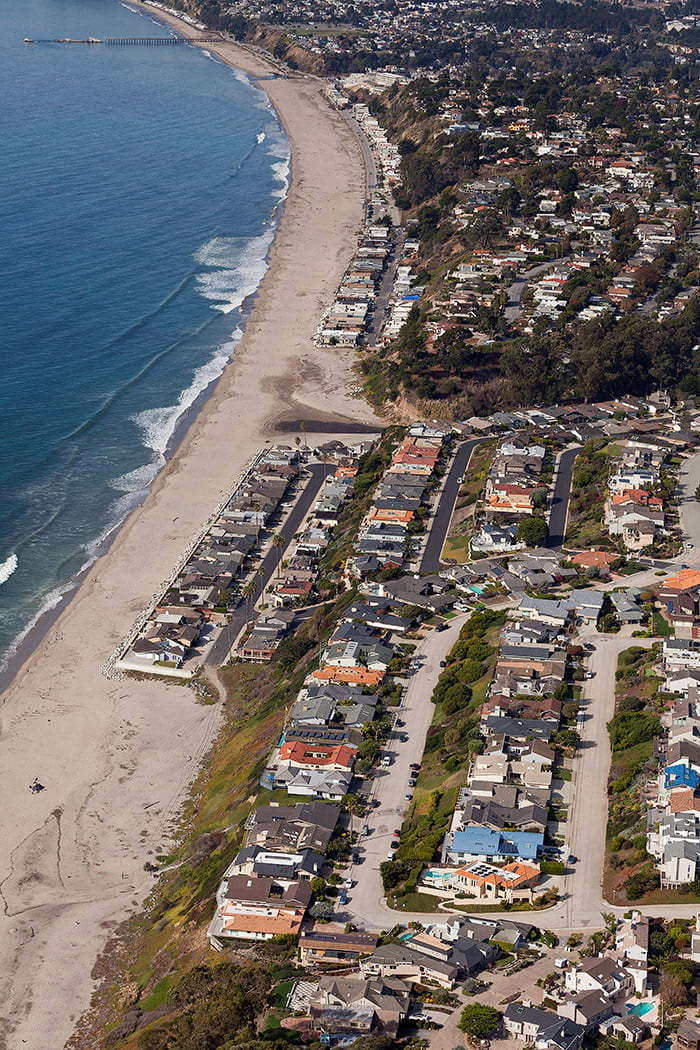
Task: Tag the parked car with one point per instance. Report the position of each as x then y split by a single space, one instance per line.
408 796
342 898
390 855
443 663
397 832
442 627
394 843
415 765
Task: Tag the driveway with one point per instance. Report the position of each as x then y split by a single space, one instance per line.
525 982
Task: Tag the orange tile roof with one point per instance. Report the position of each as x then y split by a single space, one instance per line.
594 559
639 496
348 675
317 754
524 873
684 580
684 801
274 924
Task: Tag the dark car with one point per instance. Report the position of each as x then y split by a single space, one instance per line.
356 858
415 765
443 663
394 843
442 627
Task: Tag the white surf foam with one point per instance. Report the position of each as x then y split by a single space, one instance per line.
279 148
260 137
235 266
7 567
136 480
158 425
50 602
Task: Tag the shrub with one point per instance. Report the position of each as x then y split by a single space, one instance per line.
629 728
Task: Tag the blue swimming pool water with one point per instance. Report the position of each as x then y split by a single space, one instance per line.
640 1009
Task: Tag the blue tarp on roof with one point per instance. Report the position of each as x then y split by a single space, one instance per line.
680 775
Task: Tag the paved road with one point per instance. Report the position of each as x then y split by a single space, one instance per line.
443 515
583 905
391 784
588 812
219 651
386 285
516 290
560 497
689 508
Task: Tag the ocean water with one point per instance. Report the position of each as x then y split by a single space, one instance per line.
139 189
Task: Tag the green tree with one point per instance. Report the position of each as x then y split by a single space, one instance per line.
533 531
679 970
479 1021
278 544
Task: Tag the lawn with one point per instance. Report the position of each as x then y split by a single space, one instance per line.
415 902
662 628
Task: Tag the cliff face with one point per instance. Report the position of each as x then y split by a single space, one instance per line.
214 15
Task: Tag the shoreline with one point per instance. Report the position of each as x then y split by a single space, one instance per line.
30 637
117 757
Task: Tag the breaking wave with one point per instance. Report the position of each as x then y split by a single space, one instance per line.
158 425
7 567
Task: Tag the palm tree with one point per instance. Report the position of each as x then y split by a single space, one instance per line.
324 460
302 427
278 542
256 508
248 591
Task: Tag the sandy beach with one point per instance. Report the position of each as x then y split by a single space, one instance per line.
116 757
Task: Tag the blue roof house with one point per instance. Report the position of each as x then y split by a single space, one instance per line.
680 775
484 844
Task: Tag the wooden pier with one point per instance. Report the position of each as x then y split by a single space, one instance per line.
130 41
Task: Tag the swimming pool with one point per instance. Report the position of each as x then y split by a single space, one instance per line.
640 1009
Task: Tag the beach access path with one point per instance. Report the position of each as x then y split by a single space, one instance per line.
116 756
